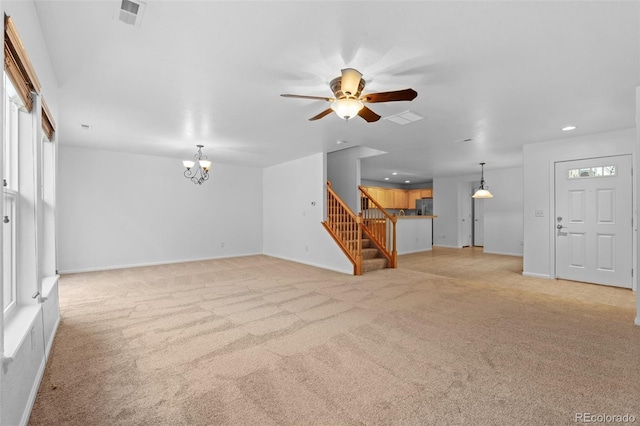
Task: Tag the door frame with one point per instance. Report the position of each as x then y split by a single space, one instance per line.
465 190
552 211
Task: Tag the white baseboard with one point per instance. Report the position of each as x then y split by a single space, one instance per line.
415 251
637 321
531 274
163 262
503 253
316 265
447 246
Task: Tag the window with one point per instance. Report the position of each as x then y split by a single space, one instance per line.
587 172
10 194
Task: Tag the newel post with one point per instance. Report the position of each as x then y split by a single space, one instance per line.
358 267
394 253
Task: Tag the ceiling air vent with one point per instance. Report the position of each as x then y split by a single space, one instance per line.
130 12
404 117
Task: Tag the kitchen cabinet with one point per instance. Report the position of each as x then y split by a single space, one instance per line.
414 195
393 198
386 197
400 199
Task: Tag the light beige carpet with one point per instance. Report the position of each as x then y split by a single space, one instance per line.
262 341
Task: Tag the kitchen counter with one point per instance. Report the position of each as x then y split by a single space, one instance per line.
413 236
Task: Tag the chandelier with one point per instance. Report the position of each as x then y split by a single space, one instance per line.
197 171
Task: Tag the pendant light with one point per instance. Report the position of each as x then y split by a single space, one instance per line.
483 191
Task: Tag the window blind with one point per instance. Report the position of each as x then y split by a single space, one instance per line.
48 125
18 65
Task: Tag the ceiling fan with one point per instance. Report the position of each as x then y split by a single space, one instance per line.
349 100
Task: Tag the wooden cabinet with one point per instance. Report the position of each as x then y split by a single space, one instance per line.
400 199
414 195
391 198
426 193
386 197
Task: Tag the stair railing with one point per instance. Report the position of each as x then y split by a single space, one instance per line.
345 227
379 225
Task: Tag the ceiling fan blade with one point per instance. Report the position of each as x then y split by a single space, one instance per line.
322 114
398 95
350 81
318 98
368 115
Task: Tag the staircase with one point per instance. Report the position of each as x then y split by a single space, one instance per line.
363 240
372 258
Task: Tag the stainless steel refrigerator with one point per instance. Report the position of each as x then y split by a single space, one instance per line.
424 206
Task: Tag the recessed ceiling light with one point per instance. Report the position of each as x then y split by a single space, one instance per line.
407 181
340 142
394 173
386 178
568 128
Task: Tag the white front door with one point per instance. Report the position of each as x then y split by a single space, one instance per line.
593 228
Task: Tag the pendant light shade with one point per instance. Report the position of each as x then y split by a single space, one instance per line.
483 190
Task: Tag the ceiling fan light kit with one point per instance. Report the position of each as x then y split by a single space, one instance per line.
349 101
347 108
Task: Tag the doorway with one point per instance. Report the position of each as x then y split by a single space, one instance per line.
464 197
478 222
593 220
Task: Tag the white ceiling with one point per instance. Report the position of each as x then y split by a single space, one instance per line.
211 72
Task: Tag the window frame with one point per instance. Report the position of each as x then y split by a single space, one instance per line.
10 193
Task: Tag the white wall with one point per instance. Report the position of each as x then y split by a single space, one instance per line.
539 159
503 223
118 210
292 223
343 171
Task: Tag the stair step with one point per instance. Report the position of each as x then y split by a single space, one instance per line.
374 264
369 253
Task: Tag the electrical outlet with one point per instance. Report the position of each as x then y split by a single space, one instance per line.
222 244
539 213
306 248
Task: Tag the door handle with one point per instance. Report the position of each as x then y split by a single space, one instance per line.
560 226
